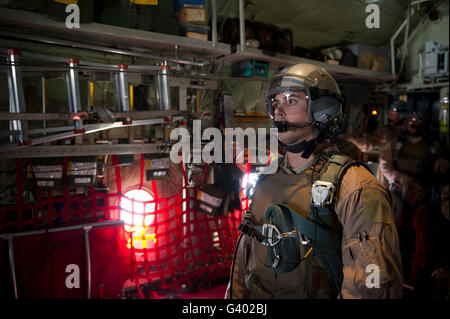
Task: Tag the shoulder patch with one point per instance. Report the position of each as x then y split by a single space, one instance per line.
375 206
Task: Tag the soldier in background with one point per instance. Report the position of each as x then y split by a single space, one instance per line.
410 163
382 135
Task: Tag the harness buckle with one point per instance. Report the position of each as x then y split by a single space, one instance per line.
322 193
276 261
271 234
303 240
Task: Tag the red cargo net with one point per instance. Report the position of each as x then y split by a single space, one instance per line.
171 244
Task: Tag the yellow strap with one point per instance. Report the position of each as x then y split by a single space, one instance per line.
30 171
197 101
66 1
145 2
306 255
131 98
91 93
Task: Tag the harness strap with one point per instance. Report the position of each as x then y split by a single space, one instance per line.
335 168
327 246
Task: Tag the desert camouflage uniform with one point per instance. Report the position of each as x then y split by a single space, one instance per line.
416 191
363 204
381 136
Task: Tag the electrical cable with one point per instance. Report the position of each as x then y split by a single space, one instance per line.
232 265
315 216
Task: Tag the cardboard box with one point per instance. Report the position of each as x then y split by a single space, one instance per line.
371 58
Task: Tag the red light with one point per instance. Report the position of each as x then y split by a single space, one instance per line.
137 211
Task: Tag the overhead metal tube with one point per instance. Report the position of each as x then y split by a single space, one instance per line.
122 89
44 101
73 91
214 23
88 129
13 124
164 86
73 44
242 24
16 96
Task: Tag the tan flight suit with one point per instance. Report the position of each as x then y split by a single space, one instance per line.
380 136
416 197
363 204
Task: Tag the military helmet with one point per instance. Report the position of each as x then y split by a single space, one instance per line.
399 108
415 120
323 94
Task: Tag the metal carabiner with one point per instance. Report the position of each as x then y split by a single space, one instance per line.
268 231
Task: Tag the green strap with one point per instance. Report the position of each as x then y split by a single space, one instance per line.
327 244
335 168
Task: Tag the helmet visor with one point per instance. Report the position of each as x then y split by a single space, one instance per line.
286 83
283 84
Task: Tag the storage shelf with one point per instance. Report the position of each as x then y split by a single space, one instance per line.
283 60
28 23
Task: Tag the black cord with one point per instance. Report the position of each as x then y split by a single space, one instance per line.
232 265
315 217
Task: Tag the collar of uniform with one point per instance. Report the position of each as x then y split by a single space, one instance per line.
301 168
307 167
414 139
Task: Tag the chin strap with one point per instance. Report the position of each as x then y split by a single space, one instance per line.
285 126
304 147
325 130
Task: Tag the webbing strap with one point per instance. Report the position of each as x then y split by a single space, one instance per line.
326 239
66 190
205 174
19 193
141 177
334 169
155 193
245 202
327 246
38 194
332 172
184 173
115 162
333 266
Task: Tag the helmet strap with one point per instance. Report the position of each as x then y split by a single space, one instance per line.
304 147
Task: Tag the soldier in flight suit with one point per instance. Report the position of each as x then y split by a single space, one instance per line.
382 135
409 163
305 104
